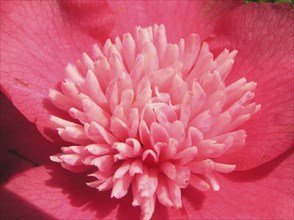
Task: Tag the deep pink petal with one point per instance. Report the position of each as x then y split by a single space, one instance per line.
38 38
93 17
265 192
180 18
58 194
263 35
22 146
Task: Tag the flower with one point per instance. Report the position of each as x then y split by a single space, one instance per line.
229 33
152 117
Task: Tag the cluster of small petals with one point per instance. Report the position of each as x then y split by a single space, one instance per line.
151 117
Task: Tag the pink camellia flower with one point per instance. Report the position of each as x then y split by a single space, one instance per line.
152 123
152 116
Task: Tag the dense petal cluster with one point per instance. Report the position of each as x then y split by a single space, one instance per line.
152 117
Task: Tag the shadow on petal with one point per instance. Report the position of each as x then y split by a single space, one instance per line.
88 199
22 146
14 206
194 197
260 172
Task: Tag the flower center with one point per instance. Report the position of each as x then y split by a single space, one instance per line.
151 117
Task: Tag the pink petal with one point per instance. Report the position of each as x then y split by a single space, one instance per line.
263 36
52 193
180 18
38 39
93 17
22 147
265 192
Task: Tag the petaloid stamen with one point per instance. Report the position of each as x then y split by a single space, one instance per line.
152 117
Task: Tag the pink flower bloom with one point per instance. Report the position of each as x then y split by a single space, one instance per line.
33 58
152 117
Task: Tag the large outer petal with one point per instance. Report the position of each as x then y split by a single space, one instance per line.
263 35
181 18
38 39
54 193
265 192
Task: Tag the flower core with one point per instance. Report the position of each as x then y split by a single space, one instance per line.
152 117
